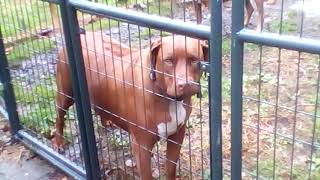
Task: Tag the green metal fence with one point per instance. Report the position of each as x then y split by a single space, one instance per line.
33 31
255 117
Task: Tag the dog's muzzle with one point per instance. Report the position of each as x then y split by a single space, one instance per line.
177 98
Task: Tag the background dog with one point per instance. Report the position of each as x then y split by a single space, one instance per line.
248 6
149 103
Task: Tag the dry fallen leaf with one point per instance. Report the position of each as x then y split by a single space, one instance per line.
5 128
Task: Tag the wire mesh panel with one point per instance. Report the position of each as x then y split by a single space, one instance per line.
32 35
280 114
143 87
145 82
187 10
279 94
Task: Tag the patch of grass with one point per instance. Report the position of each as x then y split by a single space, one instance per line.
40 119
22 95
282 170
289 23
20 17
23 15
101 24
226 46
37 106
288 26
145 33
292 14
35 95
27 49
226 88
315 166
266 169
206 174
163 10
119 141
251 81
251 47
204 91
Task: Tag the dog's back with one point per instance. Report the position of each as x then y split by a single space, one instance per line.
114 75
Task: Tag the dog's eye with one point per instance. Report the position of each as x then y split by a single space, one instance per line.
168 62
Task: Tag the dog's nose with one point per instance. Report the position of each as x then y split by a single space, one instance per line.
181 85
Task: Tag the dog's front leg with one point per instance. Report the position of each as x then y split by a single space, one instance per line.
198 10
63 101
142 153
259 4
173 151
249 10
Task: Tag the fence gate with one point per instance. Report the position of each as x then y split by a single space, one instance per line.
38 96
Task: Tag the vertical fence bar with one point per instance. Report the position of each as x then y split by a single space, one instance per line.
9 98
82 119
215 46
236 89
84 93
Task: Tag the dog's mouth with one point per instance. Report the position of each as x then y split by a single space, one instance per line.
177 98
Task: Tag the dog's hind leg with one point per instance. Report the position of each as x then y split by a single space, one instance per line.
249 10
259 4
198 10
64 99
173 151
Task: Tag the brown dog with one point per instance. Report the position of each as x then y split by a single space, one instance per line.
125 90
248 6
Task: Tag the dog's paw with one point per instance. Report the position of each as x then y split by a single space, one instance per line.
58 144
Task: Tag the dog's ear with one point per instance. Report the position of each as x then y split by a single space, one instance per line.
154 50
205 49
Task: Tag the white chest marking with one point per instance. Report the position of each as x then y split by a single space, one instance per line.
177 114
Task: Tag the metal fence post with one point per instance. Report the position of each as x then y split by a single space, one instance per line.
70 28
236 89
83 89
215 46
9 98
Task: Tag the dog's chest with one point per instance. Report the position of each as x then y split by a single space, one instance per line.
177 117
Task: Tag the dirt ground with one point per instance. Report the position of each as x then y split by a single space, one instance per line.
17 162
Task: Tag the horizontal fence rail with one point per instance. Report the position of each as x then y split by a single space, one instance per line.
47 153
152 21
282 41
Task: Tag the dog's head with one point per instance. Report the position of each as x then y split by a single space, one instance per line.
175 65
